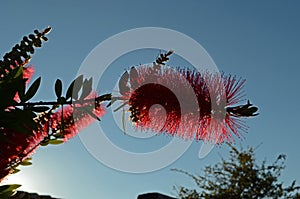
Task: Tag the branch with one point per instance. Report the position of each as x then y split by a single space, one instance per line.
105 97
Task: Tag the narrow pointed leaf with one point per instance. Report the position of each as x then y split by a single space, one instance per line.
44 143
74 88
32 89
16 171
18 72
25 163
58 88
7 194
70 90
21 90
9 187
123 88
56 142
133 77
86 88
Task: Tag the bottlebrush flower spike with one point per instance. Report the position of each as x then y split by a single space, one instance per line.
18 146
192 104
21 53
71 119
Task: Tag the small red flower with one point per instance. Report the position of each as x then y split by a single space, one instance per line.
183 102
71 119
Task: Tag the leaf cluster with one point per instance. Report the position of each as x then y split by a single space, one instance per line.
240 177
7 191
20 116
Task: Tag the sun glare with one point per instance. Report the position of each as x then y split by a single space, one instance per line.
23 179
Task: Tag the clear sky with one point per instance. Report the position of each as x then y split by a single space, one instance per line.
257 40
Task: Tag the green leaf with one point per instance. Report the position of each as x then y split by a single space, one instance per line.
7 194
58 88
16 171
86 88
44 143
56 142
17 72
26 163
8 187
14 73
74 88
32 89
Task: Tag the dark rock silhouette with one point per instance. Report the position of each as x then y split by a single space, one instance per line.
154 196
26 195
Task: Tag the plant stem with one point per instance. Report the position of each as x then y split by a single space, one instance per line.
105 97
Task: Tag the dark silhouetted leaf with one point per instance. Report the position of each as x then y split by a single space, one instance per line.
74 88
61 100
21 90
32 89
133 77
86 88
58 88
44 143
123 88
58 135
70 90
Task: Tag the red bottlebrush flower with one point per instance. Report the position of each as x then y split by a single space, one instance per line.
28 73
76 117
193 105
18 146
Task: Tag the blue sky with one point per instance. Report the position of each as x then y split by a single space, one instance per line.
257 40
